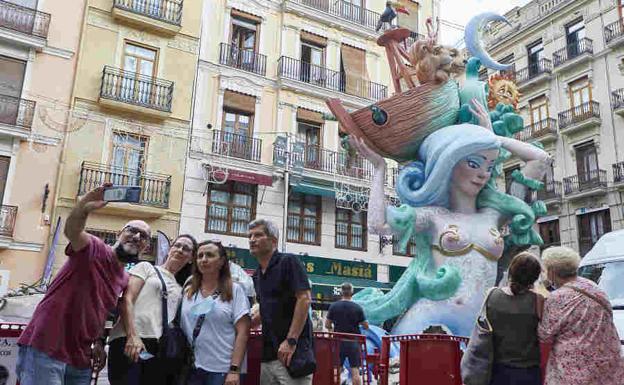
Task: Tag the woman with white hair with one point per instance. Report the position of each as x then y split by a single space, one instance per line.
578 322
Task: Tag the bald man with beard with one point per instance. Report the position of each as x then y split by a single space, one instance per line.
56 347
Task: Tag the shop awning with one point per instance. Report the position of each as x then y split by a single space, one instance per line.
313 189
250 177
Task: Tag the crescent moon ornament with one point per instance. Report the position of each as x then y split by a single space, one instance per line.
474 43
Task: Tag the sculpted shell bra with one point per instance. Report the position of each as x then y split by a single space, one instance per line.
454 243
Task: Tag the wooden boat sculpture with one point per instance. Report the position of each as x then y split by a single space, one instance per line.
395 127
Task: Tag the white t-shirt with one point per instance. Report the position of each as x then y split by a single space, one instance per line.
148 304
215 343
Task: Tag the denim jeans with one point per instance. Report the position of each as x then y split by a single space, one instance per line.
202 377
37 368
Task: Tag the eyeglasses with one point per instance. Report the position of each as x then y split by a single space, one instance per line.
135 230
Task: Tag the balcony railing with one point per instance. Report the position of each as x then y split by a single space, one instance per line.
155 188
618 172
354 166
542 66
413 38
8 214
24 20
552 190
614 31
294 69
538 130
16 112
316 158
137 89
617 99
344 10
586 181
572 51
244 59
236 145
169 11
579 114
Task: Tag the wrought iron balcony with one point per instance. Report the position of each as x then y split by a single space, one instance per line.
16 112
133 88
534 70
345 10
590 180
579 114
614 31
8 214
552 191
293 69
244 59
169 11
236 145
24 20
316 158
572 51
617 99
155 188
354 166
618 172
538 130
413 38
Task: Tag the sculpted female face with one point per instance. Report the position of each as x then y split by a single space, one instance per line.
472 173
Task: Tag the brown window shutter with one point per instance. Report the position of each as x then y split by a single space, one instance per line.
310 116
246 16
354 63
314 39
239 102
11 76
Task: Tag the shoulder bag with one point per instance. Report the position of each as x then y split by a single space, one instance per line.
303 361
172 344
478 359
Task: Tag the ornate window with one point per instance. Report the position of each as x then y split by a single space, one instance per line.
230 208
351 229
304 219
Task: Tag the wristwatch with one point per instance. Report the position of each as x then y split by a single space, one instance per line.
234 369
292 341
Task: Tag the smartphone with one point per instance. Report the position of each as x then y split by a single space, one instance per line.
130 194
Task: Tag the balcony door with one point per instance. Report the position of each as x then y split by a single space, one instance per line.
549 231
128 160
580 98
535 53
244 43
538 110
587 165
312 61
310 134
237 129
575 32
351 9
11 82
591 227
5 162
140 67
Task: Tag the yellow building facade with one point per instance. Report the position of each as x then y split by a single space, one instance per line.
38 50
133 91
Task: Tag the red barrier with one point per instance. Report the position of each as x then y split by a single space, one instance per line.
424 359
9 333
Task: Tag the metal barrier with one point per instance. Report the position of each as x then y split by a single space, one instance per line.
424 359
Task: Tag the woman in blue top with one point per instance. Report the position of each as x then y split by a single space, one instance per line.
215 319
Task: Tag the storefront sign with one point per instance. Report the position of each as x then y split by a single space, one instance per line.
313 265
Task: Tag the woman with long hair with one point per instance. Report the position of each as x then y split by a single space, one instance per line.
514 312
215 318
133 355
451 207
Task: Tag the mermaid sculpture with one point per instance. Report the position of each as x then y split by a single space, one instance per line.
453 209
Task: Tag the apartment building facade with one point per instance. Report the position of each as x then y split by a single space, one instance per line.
264 144
568 61
133 90
38 49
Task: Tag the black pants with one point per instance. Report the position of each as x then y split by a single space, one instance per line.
122 371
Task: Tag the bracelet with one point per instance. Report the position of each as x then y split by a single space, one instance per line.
533 184
234 369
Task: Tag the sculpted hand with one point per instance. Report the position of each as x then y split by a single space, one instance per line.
365 151
285 353
94 199
134 347
99 356
478 111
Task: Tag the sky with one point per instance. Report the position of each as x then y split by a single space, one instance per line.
460 11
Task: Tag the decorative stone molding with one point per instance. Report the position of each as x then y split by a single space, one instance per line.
314 29
357 43
254 7
241 85
101 19
185 44
312 105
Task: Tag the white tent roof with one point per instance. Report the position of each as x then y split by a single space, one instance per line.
609 247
